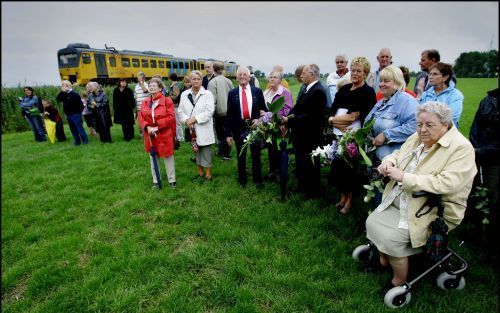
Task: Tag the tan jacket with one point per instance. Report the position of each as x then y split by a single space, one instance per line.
448 170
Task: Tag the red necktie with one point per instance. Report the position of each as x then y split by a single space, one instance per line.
244 103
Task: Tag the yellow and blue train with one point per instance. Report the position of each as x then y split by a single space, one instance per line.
79 63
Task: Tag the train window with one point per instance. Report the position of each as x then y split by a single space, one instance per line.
181 65
112 61
125 62
161 64
202 66
186 65
152 63
86 58
135 62
169 65
145 63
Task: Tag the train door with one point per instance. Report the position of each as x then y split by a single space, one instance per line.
100 64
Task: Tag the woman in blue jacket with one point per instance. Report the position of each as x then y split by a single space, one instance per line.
31 112
443 89
394 114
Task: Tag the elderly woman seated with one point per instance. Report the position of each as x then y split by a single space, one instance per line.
437 159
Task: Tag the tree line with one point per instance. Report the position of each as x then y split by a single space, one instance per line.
473 64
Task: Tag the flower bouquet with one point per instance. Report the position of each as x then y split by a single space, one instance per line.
351 147
267 125
326 154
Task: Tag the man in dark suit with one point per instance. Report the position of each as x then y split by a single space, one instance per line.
244 106
306 123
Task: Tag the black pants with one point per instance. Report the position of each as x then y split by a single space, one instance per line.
60 135
308 173
345 178
105 134
242 162
128 131
274 157
223 149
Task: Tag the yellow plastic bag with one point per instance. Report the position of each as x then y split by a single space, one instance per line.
51 129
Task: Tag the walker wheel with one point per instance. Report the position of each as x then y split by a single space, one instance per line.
448 281
361 253
397 297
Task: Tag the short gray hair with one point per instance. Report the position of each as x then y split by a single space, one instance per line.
200 75
156 80
90 86
278 73
314 69
242 68
342 55
440 109
141 74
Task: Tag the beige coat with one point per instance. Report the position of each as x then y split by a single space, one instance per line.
448 170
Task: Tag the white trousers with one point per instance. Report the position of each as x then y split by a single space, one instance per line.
179 130
169 166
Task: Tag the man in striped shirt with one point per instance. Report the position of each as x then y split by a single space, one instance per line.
141 93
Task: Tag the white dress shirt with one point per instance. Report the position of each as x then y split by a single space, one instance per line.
248 92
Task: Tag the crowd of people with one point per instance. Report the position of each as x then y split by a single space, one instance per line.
415 140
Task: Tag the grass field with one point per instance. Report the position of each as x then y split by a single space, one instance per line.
83 232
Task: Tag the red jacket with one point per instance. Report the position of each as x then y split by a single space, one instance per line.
164 118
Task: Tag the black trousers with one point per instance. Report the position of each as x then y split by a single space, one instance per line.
223 149
60 135
128 131
308 173
274 156
105 134
242 162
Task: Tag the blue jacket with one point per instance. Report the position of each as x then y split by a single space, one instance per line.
28 102
451 96
396 119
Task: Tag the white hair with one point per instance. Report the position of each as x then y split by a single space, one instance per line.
243 68
342 55
440 109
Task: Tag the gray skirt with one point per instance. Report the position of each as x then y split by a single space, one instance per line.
382 229
204 156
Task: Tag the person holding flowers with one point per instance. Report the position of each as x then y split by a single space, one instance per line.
244 106
273 93
306 124
352 103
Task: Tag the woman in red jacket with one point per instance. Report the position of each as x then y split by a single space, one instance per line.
157 119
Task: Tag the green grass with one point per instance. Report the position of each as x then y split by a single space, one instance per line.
83 232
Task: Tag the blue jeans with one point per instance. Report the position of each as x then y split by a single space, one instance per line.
76 126
36 126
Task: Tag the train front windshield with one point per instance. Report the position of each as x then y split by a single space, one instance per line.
68 59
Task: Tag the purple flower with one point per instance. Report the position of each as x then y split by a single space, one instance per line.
266 118
352 150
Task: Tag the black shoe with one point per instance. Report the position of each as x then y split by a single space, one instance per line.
259 186
242 184
385 288
173 185
155 186
226 158
193 160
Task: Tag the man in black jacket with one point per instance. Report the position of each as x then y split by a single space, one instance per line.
306 123
73 107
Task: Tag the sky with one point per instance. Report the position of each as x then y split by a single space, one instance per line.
261 34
